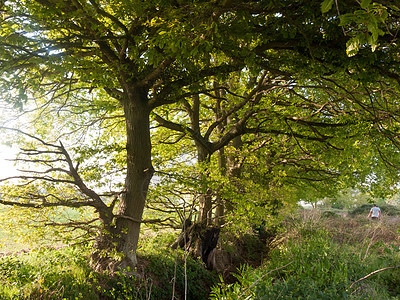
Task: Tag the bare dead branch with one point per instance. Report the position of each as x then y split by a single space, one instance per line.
35 178
75 224
48 204
372 273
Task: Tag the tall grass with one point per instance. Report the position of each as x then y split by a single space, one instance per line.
323 258
47 274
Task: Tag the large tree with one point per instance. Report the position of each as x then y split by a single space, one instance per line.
140 54
128 58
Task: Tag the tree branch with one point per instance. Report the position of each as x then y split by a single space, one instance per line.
372 273
152 221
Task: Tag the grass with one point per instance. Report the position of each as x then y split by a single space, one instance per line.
323 257
314 256
47 274
64 273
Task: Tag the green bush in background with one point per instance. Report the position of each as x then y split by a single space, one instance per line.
387 210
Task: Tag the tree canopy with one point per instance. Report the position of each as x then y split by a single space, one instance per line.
285 95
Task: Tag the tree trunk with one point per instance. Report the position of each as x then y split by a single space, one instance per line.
104 244
222 162
220 203
139 174
205 199
203 156
234 171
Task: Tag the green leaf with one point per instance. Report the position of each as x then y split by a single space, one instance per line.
353 46
326 6
346 19
365 3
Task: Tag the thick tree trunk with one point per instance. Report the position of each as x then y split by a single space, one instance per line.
122 238
139 174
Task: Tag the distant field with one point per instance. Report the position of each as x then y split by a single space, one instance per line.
8 244
18 230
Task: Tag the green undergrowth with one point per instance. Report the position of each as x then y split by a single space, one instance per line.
314 256
310 261
65 273
47 274
172 272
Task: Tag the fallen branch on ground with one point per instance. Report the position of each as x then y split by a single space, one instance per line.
372 273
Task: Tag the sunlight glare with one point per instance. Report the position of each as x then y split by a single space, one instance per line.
7 167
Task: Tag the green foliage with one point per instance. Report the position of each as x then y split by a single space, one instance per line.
47 274
30 228
330 214
274 74
309 264
188 272
65 273
173 271
364 26
371 18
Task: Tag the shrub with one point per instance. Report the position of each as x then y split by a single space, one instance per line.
172 272
330 214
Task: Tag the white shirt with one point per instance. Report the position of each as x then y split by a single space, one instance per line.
375 212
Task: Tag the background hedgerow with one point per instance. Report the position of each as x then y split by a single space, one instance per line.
387 210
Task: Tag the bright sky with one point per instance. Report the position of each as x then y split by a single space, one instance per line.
8 118
7 168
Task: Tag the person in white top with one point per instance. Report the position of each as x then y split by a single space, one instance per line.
375 213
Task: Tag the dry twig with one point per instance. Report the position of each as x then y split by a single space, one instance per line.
372 273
